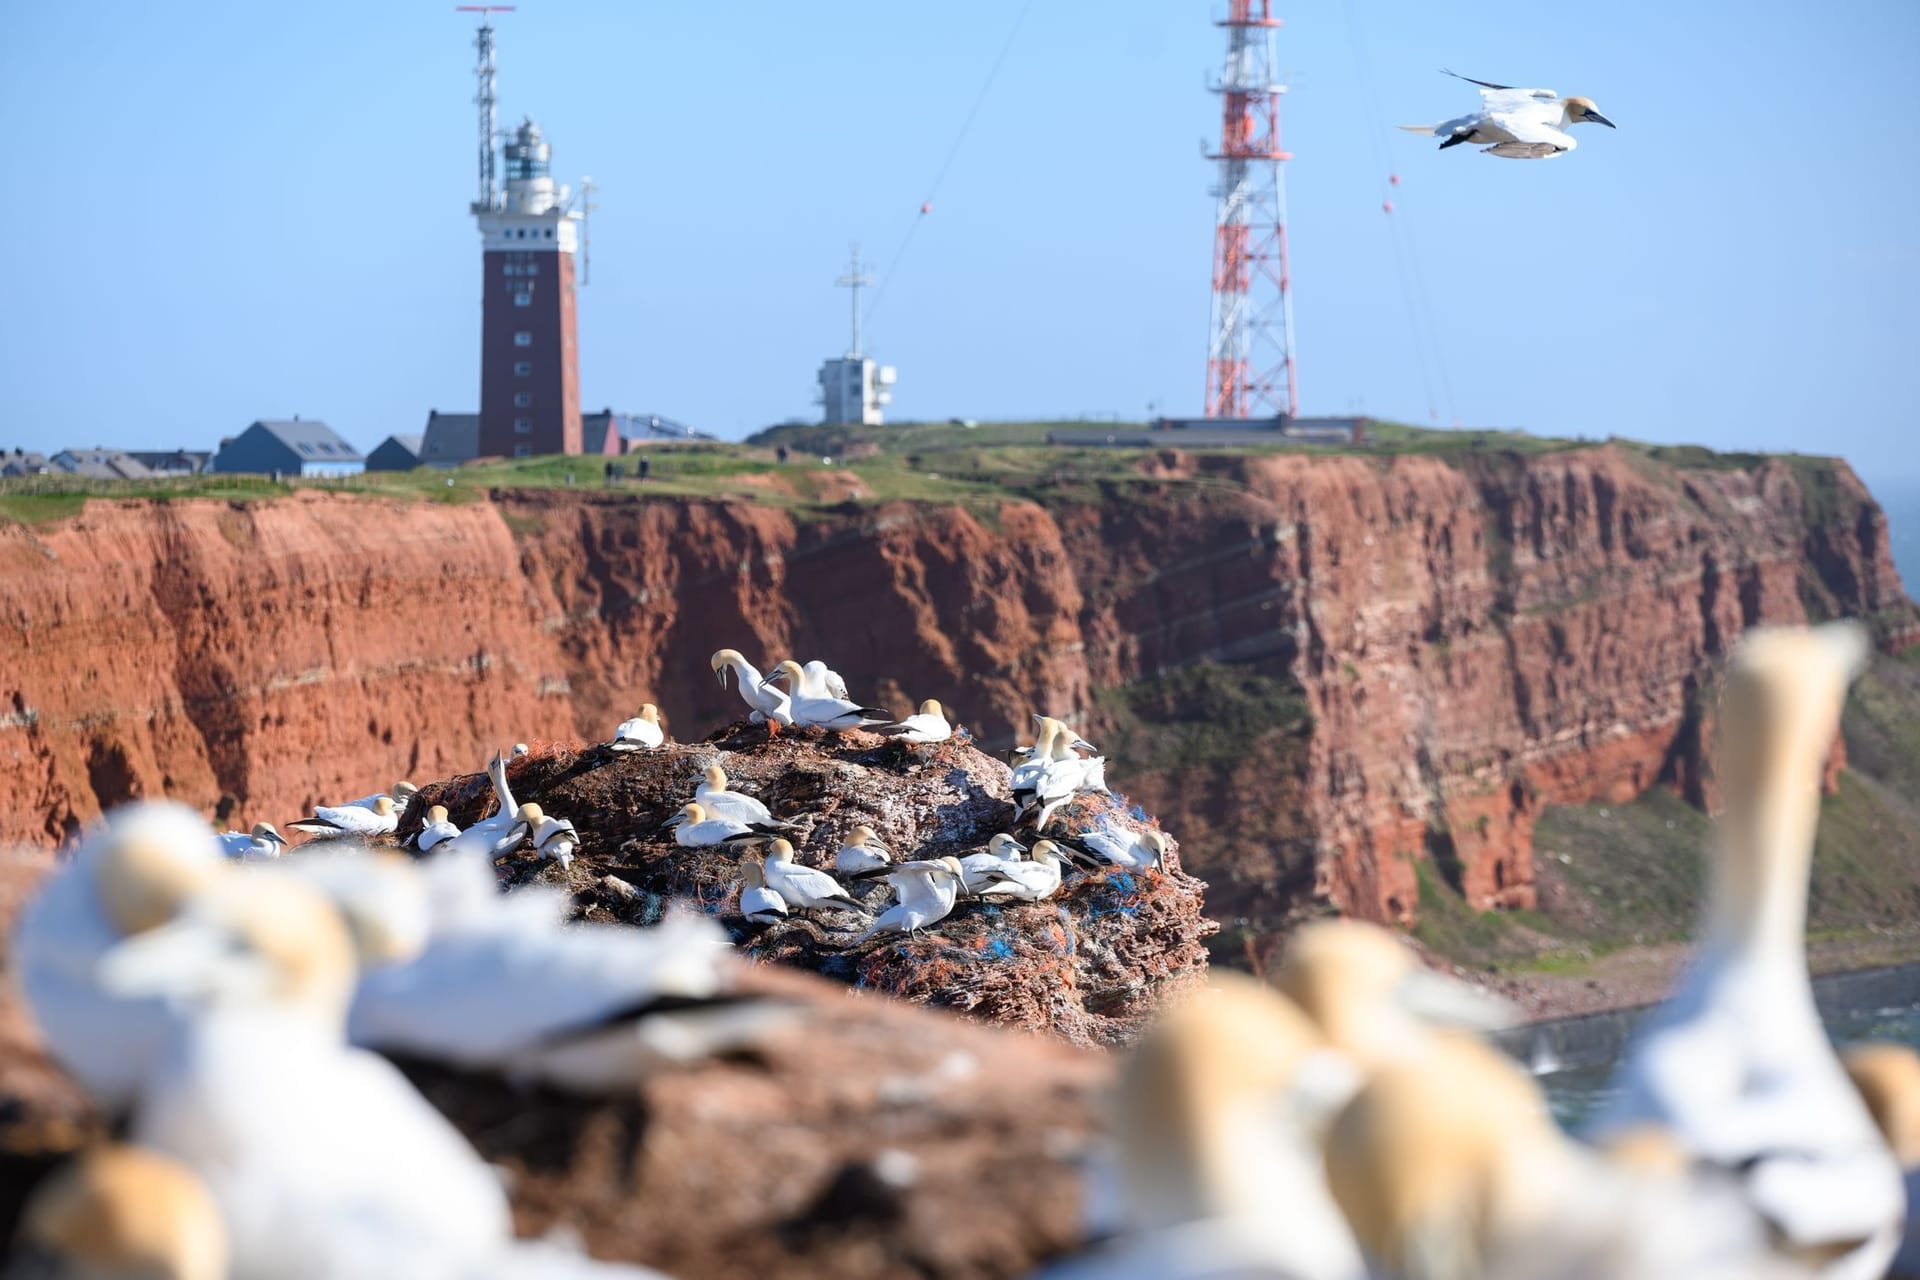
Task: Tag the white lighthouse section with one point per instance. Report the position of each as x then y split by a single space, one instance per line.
532 213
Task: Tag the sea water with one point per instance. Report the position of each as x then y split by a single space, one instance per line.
1575 1092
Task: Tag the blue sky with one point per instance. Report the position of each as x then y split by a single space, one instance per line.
234 210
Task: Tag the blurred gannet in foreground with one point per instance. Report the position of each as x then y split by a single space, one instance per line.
1520 124
1025 881
861 852
1136 851
322 1158
758 903
331 822
129 875
552 838
814 704
262 842
499 834
928 726
769 704
120 1213
694 828
503 982
1448 1166
1217 1119
435 831
1736 1063
713 796
1887 1077
926 892
642 733
804 887
1372 998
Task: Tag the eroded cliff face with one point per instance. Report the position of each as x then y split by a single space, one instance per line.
1422 652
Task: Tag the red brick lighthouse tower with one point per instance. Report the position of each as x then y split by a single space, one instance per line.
529 352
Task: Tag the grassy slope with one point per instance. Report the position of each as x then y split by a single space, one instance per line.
1624 875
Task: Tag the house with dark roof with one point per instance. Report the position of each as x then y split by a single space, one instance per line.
295 447
450 439
172 462
395 453
99 463
22 463
630 430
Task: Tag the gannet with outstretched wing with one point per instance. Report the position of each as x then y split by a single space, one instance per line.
1520 124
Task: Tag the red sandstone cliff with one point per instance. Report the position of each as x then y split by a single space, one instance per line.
1466 639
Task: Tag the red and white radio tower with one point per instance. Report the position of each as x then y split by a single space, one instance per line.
1250 370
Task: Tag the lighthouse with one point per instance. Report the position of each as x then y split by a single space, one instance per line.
529 349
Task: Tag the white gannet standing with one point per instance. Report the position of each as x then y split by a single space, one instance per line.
1074 740
121 1213
435 831
861 852
1135 851
312 1150
768 704
552 838
713 796
1520 124
815 705
1054 774
129 875
1217 1121
982 866
402 792
928 726
642 733
1887 1077
499 834
1736 1063
694 828
331 822
1025 881
261 842
825 678
758 903
804 887
926 892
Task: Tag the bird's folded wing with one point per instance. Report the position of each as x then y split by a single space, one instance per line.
1499 100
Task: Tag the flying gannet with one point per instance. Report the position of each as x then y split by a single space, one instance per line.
816 705
642 733
261 842
121 1213
1736 1063
128 875
331 822
925 892
1520 124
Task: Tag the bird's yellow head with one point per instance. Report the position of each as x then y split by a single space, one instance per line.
716 777
1582 111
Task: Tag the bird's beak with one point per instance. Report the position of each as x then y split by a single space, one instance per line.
774 677
673 822
720 674
276 837
1594 117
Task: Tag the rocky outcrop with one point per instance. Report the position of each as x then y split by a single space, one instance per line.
1090 964
1465 638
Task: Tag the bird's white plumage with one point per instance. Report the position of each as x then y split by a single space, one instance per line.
979 869
925 893
331 822
1736 1064
638 734
499 834
106 1040
720 801
1133 850
861 853
1519 124
435 832
758 903
803 886
260 842
694 828
815 704
767 702
825 678
1025 881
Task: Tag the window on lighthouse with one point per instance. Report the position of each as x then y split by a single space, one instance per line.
522 299
523 368
523 425
524 338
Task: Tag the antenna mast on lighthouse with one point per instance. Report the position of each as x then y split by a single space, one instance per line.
484 99
1250 368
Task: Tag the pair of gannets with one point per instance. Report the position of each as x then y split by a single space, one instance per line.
714 796
694 828
767 704
816 702
642 733
925 893
1054 774
1519 124
771 886
321 1158
503 831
